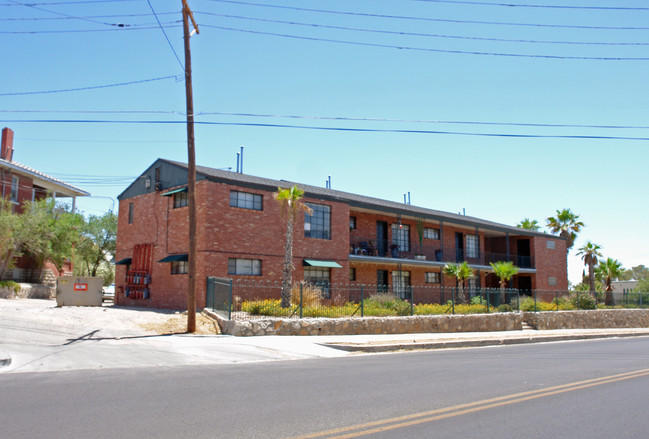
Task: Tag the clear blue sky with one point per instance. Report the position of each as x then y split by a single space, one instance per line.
353 59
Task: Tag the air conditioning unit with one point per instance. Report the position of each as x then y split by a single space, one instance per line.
157 187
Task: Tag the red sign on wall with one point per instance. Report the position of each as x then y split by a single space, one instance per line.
80 287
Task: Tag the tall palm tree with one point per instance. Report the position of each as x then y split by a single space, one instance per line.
589 253
505 271
290 200
461 272
529 224
566 225
607 271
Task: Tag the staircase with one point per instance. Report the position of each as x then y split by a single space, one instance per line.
527 327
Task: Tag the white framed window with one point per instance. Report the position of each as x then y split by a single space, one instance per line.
433 277
179 267
246 200
318 224
552 281
401 236
431 233
180 199
14 188
551 245
401 284
471 243
245 267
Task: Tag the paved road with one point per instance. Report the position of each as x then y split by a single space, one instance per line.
447 393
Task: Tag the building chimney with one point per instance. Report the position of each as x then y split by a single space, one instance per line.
6 148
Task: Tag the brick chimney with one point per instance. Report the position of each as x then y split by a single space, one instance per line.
6 147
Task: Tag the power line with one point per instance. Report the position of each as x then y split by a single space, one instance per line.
70 2
345 129
86 16
89 88
442 20
31 5
66 31
515 5
425 49
166 37
419 34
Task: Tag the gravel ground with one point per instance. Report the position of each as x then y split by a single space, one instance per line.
109 317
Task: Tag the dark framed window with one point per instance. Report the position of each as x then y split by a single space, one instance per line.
401 284
401 237
179 267
157 174
180 199
433 277
246 200
131 211
352 274
319 277
14 188
318 224
352 222
244 267
471 246
431 233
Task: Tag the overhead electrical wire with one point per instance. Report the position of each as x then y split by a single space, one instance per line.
31 5
73 31
426 49
520 5
182 67
345 129
419 34
443 20
71 2
85 16
94 87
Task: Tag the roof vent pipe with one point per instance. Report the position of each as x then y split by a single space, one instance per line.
238 155
241 164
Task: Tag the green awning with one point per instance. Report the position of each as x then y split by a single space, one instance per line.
327 264
175 191
125 261
174 258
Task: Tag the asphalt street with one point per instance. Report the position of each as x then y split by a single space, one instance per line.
581 389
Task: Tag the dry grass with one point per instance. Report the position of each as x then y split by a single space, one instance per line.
177 324
311 295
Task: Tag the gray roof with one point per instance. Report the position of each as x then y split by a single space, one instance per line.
355 200
62 188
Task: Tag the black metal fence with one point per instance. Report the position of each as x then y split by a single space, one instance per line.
252 300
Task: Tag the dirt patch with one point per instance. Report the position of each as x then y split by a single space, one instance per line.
177 324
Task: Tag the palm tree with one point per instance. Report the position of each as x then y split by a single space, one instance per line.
505 271
589 253
566 225
529 224
461 272
607 271
290 200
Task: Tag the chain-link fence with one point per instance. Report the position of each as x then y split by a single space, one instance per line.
239 300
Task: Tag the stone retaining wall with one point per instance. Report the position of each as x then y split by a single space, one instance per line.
29 291
614 318
602 318
371 325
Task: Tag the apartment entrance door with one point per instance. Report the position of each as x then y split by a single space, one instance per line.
381 238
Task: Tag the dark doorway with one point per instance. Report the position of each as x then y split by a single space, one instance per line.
525 284
381 280
524 258
382 239
459 247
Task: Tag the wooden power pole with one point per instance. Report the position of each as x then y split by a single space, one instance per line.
191 172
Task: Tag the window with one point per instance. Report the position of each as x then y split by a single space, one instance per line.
319 276
401 284
352 274
318 224
14 189
352 222
552 281
131 208
245 267
433 277
157 175
180 199
401 237
471 243
551 245
179 267
431 233
246 200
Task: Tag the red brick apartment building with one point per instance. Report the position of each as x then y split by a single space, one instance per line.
348 239
19 183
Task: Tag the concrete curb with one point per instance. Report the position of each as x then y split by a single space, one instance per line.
424 345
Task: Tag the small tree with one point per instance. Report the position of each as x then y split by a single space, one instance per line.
290 200
505 271
566 225
589 254
461 272
11 237
529 224
607 271
98 240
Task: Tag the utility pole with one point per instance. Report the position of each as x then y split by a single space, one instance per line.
191 171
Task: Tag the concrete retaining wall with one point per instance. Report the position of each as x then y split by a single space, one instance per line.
602 318
29 291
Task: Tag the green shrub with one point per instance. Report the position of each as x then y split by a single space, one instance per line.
478 300
504 308
582 300
11 285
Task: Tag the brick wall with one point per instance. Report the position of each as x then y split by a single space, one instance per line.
550 263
